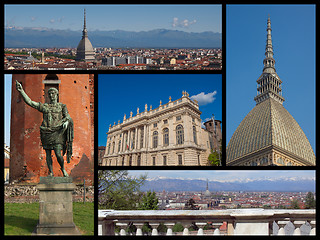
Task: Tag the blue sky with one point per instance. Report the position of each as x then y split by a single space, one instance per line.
293 36
190 18
119 94
226 175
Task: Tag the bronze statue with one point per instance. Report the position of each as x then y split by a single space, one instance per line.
56 130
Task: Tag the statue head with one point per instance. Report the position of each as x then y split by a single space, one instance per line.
53 94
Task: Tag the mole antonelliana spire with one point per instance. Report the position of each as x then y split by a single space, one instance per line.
85 50
269 83
269 135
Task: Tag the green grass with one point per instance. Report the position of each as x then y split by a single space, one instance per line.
22 218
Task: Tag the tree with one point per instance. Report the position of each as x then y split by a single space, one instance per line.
117 190
295 204
149 201
214 158
190 205
310 202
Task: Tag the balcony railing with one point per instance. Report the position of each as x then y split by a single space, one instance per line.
237 221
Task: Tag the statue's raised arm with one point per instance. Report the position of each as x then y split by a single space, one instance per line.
25 96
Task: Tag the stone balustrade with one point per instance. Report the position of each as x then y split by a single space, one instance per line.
238 221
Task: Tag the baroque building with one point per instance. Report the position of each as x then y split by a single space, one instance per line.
269 135
85 51
170 135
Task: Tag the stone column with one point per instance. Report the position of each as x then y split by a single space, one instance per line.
185 230
145 136
136 138
297 225
129 139
200 226
154 228
122 226
139 228
313 227
216 226
56 210
169 228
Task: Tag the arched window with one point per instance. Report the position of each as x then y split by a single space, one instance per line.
141 137
155 139
164 160
180 135
139 161
195 135
119 146
166 137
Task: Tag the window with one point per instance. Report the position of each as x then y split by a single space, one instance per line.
179 134
130 161
119 146
280 161
133 140
139 161
166 137
165 121
153 161
155 139
178 118
155 125
164 160
195 135
180 160
109 148
141 137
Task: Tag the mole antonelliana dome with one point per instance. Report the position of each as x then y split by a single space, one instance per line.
85 50
269 135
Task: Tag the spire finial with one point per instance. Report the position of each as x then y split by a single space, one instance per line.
84 20
84 31
269 83
269 61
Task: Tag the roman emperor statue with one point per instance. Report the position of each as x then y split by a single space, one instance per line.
56 130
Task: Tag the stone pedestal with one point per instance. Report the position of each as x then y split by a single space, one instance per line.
56 212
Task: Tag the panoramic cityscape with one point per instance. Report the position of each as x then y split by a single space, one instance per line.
180 45
189 196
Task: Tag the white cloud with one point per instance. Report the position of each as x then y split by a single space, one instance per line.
183 23
204 99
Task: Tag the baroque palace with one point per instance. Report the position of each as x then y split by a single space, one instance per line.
170 135
269 135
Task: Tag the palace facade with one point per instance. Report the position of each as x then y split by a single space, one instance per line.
170 135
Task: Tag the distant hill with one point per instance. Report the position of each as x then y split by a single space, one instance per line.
159 38
279 185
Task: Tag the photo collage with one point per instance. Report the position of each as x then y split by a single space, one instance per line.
159 119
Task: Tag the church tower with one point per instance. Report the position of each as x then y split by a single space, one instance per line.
269 135
85 50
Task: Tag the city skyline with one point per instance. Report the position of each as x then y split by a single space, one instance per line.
294 54
136 90
139 17
226 175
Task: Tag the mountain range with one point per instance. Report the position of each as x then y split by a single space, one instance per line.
158 38
267 185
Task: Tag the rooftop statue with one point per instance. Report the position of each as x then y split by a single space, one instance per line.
56 130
